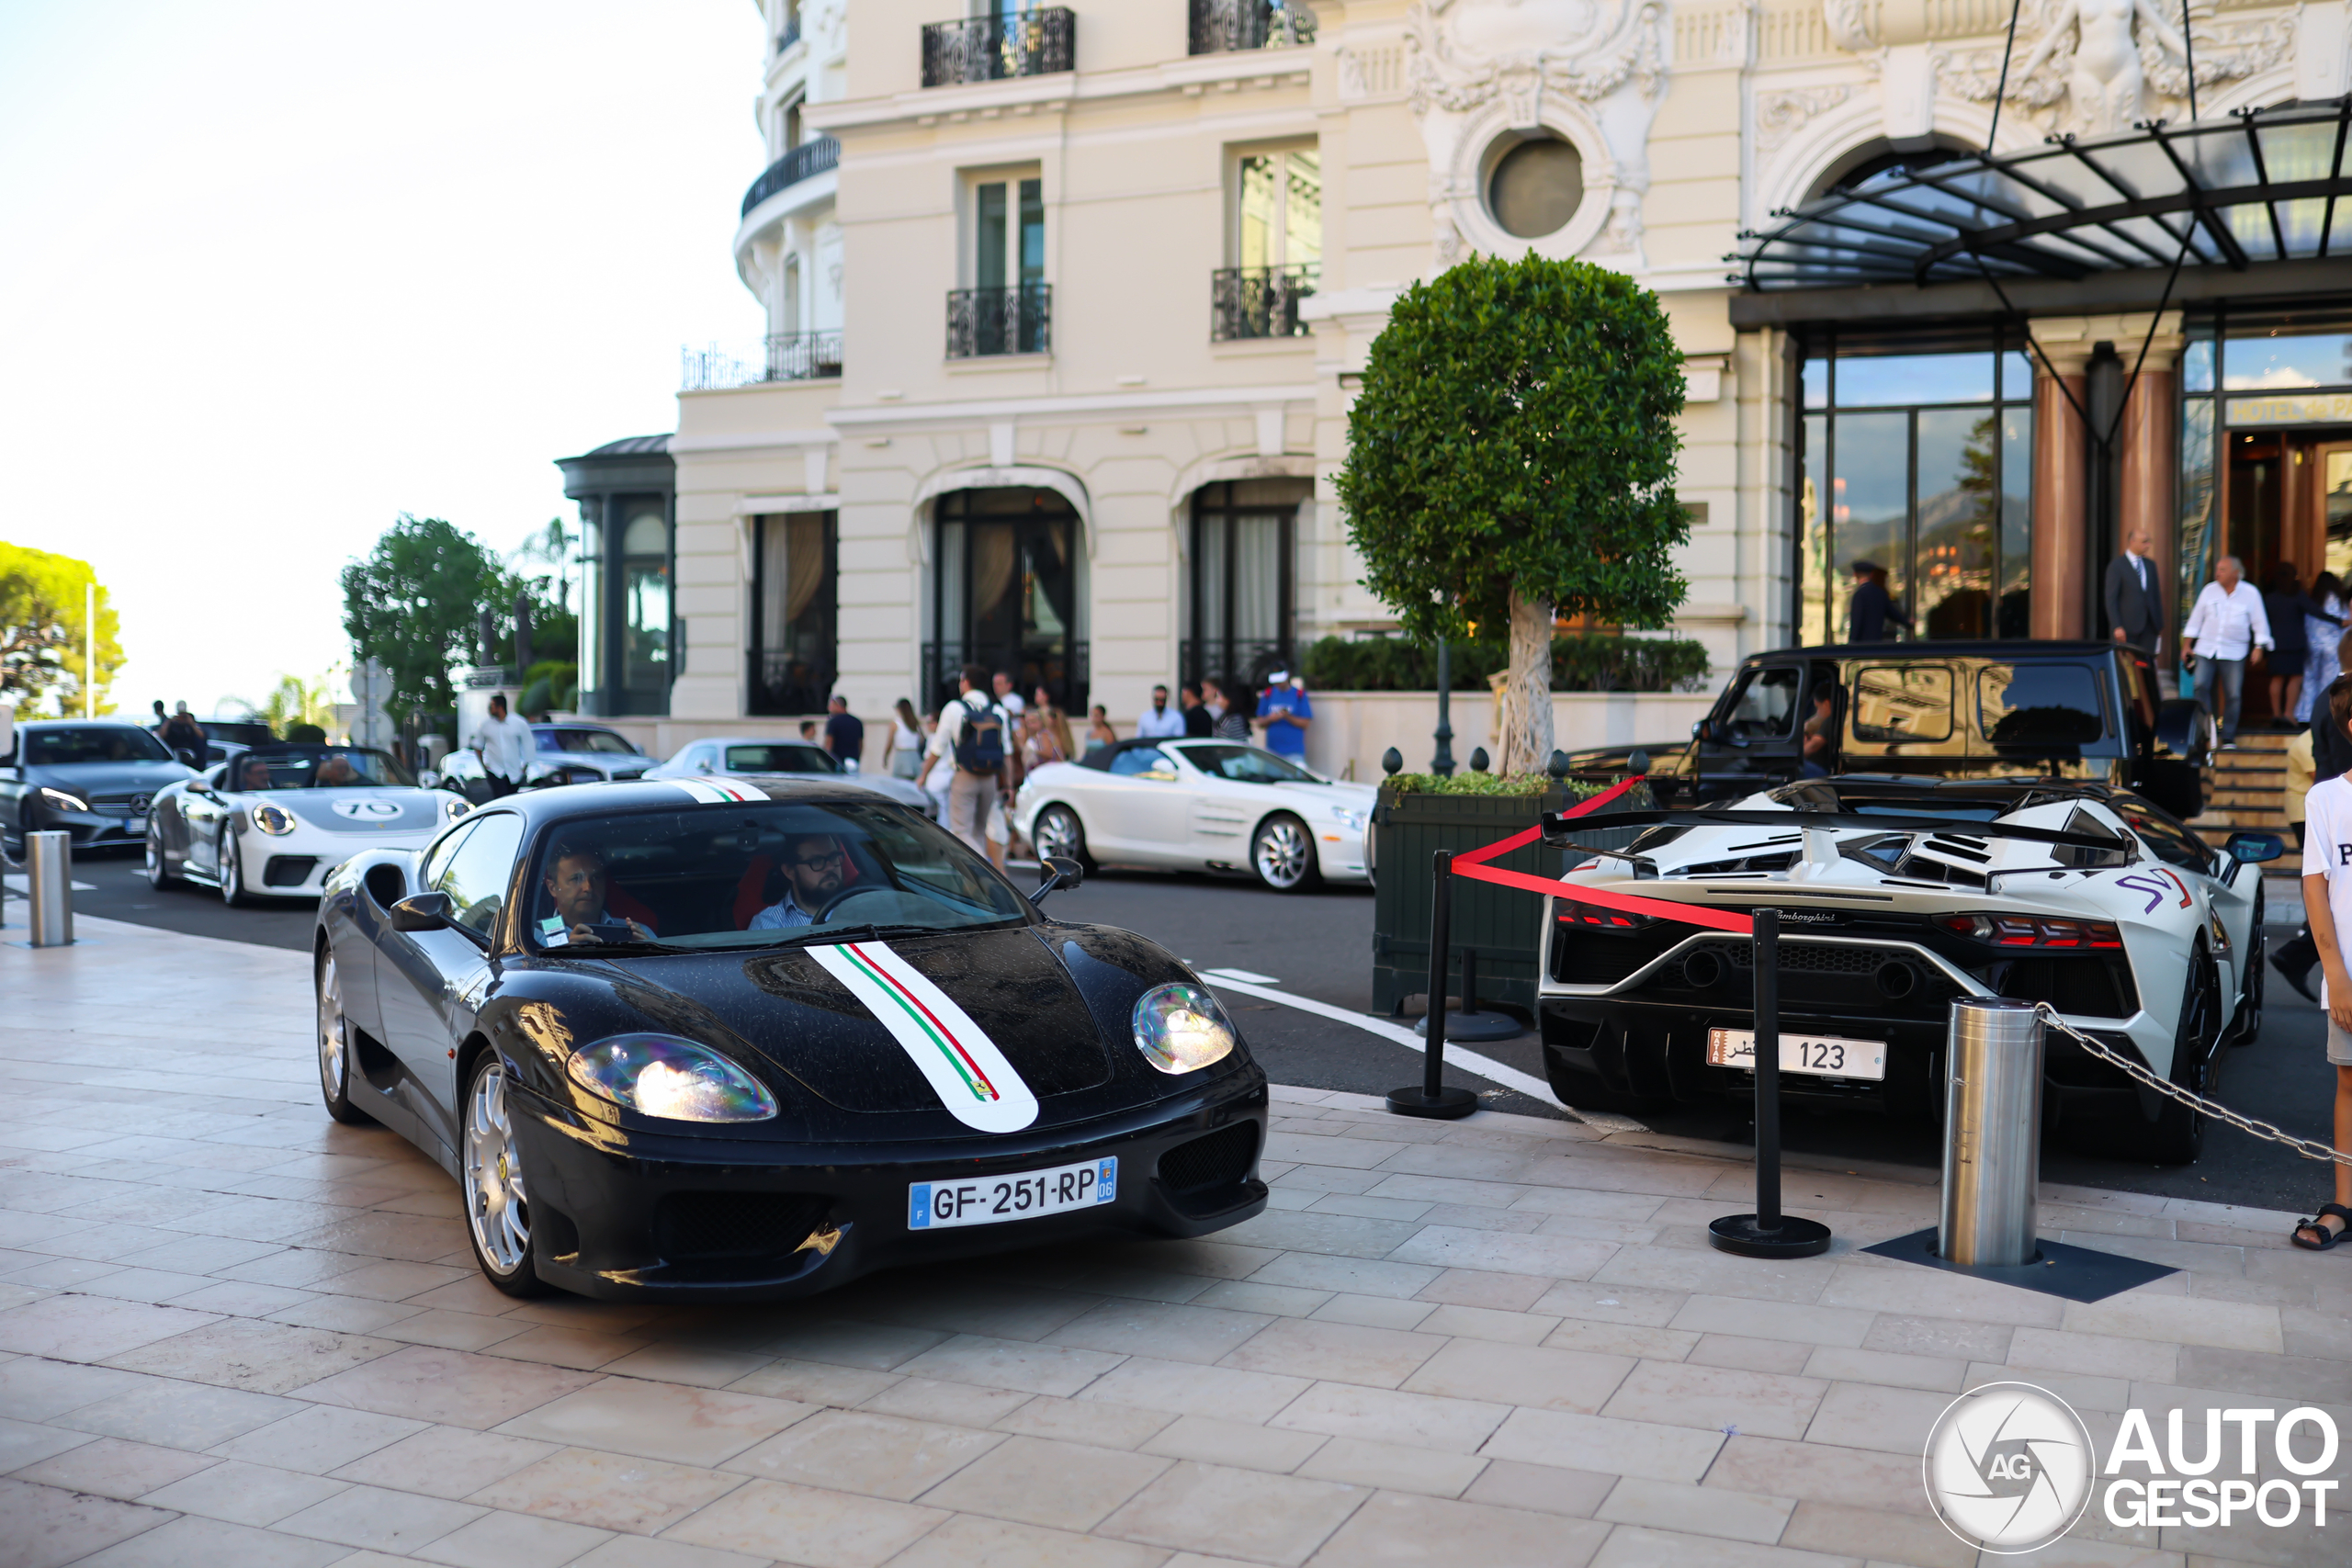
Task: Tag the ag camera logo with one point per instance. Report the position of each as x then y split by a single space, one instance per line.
2008 1468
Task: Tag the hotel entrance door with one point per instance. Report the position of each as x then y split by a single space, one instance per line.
2288 512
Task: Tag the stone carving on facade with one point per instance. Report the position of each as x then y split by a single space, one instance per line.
1779 115
2097 66
1590 71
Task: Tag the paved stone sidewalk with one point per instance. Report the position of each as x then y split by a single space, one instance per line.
232 1332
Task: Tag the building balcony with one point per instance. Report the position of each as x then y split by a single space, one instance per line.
990 49
1225 27
999 321
811 157
1260 301
787 356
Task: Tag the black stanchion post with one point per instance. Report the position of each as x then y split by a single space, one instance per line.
1469 980
1431 1097
1768 1233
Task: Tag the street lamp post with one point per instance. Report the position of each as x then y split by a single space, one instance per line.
1442 764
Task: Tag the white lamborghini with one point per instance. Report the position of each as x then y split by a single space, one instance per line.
1895 896
273 821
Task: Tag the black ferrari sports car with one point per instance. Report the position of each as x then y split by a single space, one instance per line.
704 1038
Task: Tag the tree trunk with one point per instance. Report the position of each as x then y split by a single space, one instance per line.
1525 713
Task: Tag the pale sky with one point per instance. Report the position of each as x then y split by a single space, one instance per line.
272 273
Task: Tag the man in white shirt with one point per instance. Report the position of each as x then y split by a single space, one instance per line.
2327 904
1006 697
2226 630
815 866
975 741
504 746
1159 722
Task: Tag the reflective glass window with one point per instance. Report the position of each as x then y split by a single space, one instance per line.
2040 704
2283 363
1765 709
1903 702
476 872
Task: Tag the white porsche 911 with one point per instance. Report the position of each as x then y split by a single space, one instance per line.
273 821
1895 896
1214 805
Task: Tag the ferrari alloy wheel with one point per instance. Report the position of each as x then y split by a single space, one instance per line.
334 1048
1057 831
1283 854
498 1204
232 872
159 870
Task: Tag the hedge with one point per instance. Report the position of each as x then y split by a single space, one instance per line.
1579 664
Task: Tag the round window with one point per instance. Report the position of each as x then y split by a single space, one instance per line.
1535 188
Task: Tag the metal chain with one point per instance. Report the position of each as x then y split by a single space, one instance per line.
2306 1148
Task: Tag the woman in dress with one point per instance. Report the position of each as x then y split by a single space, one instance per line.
1045 704
2322 626
1098 732
902 753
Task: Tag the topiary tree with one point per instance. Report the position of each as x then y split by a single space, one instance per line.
1512 458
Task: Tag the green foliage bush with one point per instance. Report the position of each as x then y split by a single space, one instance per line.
1579 664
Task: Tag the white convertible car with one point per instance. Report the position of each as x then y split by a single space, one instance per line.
1895 897
273 821
1213 804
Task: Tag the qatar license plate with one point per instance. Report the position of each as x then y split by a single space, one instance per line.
1823 1056
993 1200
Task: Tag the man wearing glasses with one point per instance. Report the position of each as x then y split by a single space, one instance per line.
815 866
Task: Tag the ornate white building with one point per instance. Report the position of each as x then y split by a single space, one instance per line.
1067 306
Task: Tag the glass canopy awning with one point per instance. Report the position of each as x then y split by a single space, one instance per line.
2259 186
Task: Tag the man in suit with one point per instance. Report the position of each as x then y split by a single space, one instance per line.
2135 602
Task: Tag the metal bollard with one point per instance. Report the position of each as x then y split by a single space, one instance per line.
49 870
1992 1133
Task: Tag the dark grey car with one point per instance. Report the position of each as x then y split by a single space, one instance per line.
91 778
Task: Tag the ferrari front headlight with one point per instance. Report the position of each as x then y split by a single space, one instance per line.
1179 1028
678 1080
274 820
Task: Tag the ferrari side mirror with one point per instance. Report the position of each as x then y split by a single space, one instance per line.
1057 871
422 912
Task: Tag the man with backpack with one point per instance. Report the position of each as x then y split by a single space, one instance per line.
975 739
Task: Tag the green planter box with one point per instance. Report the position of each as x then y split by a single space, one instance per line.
1501 923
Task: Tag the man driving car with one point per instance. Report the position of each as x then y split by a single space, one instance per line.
815 866
575 883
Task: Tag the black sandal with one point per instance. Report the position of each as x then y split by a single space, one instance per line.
2328 1237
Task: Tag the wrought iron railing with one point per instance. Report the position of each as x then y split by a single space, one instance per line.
1063 672
791 34
1260 301
1246 662
999 321
989 48
781 685
787 357
813 156
1222 26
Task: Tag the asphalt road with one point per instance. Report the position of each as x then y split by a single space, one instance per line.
1316 945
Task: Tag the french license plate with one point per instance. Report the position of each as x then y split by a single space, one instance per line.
993 1200
1823 1056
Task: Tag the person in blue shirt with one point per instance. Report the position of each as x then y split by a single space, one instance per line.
1285 713
815 867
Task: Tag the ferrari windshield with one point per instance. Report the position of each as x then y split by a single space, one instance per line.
757 876
326 767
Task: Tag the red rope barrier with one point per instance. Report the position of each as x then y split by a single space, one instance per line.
1474 865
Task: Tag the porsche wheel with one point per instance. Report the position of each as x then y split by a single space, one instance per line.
1057 831
334 1048
498 1204
232 872
1281 851
159 870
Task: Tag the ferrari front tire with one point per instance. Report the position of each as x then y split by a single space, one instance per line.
1057 831
1281 851
497 1196
159 870
232 872
334 1045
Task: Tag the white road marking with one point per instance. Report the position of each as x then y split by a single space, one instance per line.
1468 1061
1246 976
23 885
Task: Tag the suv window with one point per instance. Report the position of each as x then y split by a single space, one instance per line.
1903 702
2040 704
475 872
1765 705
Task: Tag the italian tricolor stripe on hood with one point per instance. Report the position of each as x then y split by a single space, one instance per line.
965 1068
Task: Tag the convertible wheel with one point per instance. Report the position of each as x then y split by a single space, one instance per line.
159 870
1057 831
334 1048
1283 854
498 1205
232 872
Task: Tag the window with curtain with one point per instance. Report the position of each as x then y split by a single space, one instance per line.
793 652
1242 579
1008 587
